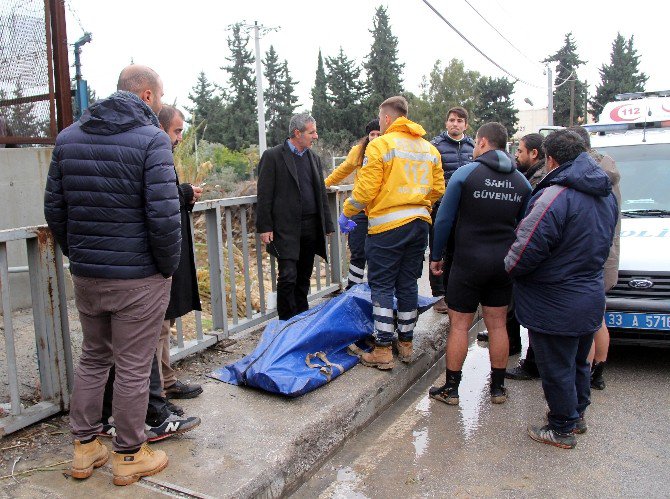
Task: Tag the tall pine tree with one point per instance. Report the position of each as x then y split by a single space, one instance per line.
289 101
566 76
321 109
240 112
280 99
383 71
207 107
272 96
494 103
621 75
345 92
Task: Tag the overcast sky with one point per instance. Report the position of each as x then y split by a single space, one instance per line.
179 39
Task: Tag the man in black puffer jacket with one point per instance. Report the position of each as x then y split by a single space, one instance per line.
456 150
111 202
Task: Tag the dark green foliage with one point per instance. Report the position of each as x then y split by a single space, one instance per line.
207 107
320 106
442 90
568 63
280 99
345 93
241 126
383 70
494 103
621 75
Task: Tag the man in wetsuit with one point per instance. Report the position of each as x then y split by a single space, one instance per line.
485 200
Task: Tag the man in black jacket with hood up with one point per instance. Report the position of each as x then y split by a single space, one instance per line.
111 202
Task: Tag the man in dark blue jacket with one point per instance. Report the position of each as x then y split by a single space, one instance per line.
455 150
111 202
557 263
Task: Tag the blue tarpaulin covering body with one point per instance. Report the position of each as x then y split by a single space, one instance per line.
319 336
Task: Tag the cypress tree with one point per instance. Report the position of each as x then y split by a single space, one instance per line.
241 128
345 92
207 106
494 103
568 63
383 71
321 108
621 75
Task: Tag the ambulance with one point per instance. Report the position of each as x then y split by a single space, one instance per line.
635 131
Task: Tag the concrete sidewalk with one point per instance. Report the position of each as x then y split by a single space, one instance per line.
251 443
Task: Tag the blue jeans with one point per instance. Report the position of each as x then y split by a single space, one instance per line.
395 262
566 376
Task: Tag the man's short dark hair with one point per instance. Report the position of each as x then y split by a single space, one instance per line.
534 141
137 79
583 133
397 104
563 145
495 133
166 116
459 111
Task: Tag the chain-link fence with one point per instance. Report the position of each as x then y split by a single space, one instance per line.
32 48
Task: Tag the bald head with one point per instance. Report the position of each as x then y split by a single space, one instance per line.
143 82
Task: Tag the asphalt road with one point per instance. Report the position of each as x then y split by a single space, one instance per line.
422 448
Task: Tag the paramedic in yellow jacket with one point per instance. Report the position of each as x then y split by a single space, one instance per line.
400 180
357 236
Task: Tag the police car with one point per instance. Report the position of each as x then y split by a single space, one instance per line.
635 131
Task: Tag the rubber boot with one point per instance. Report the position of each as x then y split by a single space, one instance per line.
597 380
380 357
129 468
405 351
86 457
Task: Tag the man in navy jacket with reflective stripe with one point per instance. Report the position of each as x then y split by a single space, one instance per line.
557 263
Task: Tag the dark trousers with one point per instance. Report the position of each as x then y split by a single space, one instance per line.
438 283
294 275
566 376
395 262
513 329
356 241
157 410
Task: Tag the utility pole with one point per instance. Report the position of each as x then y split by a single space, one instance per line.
586 101
262 138
572 102
550 97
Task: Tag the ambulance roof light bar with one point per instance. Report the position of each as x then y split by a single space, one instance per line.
642 95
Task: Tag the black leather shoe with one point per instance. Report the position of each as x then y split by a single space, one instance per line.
183 391
522 372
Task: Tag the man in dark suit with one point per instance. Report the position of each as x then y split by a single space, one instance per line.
292 214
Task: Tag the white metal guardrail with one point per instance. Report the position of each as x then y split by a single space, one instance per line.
224 239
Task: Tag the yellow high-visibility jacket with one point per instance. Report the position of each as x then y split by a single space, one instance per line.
351 164
400 180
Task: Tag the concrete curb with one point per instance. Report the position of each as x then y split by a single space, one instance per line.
318 440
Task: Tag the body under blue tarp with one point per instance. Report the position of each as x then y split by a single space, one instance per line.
318 337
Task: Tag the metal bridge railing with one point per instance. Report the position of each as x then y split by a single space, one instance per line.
237 266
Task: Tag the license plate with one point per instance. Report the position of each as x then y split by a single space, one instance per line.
629 320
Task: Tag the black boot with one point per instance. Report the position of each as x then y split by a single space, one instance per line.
447 393
597 380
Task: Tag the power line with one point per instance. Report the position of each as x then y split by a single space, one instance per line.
516 78
501 35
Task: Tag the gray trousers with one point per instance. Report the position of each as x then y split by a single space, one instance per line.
121 320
